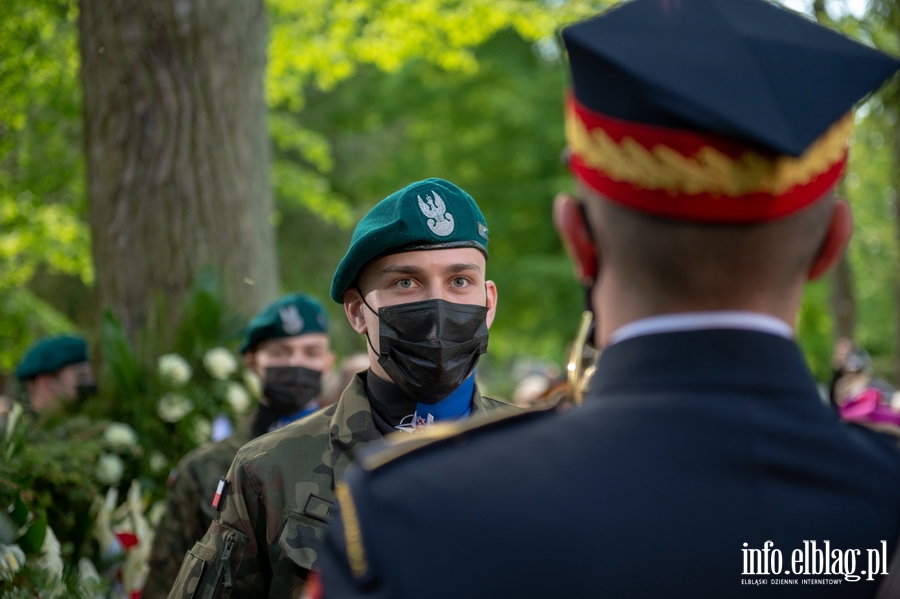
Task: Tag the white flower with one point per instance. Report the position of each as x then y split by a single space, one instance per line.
202 430
109 469
237 397
173 407
254 385
12 419
120 436
51 558
156 513
174 369
157 461
220 363
12 558
88 578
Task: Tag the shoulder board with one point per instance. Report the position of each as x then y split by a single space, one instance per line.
401 444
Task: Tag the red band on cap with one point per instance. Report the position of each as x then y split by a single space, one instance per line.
704 207
686 175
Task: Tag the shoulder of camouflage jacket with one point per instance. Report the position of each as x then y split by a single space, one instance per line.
272 445
400 446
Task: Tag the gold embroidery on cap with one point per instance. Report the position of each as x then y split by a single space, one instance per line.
356 555
709 170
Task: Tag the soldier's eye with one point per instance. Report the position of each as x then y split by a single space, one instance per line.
404 283
460 282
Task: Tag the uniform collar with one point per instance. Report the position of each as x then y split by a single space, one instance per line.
698 321
352 425
717 360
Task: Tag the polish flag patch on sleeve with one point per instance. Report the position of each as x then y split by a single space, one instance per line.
220 492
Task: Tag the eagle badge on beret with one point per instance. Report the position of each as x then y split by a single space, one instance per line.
291 321
439 220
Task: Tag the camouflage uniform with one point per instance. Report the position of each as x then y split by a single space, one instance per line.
280 500
189 510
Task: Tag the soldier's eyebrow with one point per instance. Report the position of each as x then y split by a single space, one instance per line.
402 269
451 269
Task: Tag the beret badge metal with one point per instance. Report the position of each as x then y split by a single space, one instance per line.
439 220
291 321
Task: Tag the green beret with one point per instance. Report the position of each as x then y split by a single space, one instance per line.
425 215
51 354
294 314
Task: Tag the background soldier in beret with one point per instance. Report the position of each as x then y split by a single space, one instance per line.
55 371
413 282
287 346
706 137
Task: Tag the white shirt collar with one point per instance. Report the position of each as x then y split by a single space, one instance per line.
696 321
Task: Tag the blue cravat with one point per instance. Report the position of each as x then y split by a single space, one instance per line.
453 407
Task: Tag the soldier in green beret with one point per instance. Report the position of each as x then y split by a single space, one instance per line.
56 371
288 347
413 283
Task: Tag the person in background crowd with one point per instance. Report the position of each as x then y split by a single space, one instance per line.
56 371
531 389
857 394
706 138
413 282
288 347
852 367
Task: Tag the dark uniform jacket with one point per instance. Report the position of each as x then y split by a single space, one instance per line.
691 448
279 501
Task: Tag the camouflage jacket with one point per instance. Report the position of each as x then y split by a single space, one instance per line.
279 500
189 510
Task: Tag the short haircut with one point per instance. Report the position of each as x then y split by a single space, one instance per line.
707 263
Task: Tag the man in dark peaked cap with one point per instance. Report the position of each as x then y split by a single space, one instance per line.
706 138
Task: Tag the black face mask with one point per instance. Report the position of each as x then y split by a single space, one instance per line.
429 348
289 388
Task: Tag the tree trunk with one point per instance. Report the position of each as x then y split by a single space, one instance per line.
177 151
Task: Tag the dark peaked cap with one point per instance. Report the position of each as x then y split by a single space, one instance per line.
744 69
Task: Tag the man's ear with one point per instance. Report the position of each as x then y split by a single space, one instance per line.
353 308
840 230
251 363
490 289
569 220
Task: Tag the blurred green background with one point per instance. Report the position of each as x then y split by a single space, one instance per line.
364 97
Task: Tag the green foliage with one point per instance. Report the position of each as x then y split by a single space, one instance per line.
24 318
51 234
326 40
873 253
41 167
170 412
815 331
48 479
206 321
